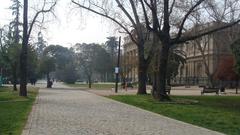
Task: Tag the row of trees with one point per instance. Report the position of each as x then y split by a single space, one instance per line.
167 20
17 33
35 60
83 62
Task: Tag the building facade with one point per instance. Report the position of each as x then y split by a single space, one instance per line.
130 60
205 54
213 46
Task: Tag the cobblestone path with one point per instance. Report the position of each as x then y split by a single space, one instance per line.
74 112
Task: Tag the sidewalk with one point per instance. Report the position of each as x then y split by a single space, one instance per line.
65 111
177 91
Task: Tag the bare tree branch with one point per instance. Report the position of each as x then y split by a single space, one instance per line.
185 18
109 17
145 15
189 38
172 6
166 26
126 13
42 11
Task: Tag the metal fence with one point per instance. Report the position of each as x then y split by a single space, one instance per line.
202 81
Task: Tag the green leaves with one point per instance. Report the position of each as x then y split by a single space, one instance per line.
60 60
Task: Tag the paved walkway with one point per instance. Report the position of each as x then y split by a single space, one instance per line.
65 111
176 91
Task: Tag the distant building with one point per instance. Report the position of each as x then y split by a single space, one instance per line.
215 47
130 61
130 56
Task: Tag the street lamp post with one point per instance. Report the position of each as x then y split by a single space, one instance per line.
1 77
118 66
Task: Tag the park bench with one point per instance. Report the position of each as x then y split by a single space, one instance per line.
201 86
168 89
209 90
129 85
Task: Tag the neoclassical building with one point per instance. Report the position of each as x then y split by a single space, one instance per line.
130 56
214 47
130 60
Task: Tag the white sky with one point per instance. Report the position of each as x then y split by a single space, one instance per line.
69 27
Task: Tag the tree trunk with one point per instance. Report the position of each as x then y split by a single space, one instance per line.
155 74
160 92
142 70
48 81
237 86
154 84
89 83
23 57
14 74
142 77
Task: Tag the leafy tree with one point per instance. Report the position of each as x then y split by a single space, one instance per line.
15 24
61 60
69 73
111 48
104 59
61 55
32 63
92 58
10 53
40 45
47 65
12 48
13 57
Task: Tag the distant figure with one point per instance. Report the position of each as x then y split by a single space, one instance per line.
34 81
31 81
49 84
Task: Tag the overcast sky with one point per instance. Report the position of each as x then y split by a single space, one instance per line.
69 28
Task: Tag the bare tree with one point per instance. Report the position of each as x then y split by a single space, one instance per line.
27 29
164 28
167 19
127 15
224 13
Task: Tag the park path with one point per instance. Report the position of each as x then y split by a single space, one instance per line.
66 111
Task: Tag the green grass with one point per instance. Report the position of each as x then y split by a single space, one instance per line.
219 113
14 110
96 86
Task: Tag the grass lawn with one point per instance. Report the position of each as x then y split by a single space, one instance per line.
219 113
96 86
14 110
